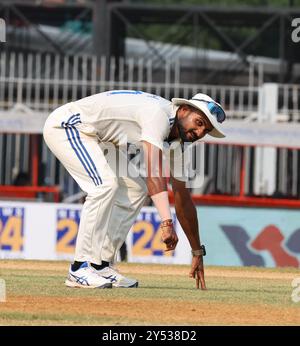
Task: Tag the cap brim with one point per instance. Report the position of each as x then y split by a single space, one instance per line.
217 131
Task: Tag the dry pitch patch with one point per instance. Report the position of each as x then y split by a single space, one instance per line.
36 295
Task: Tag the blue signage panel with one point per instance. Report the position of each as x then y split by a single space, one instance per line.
11 228
250 236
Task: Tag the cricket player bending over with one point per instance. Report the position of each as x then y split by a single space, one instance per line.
75 131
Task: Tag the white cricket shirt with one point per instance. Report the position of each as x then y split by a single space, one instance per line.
121 116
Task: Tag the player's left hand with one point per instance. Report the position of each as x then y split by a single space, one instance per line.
197 271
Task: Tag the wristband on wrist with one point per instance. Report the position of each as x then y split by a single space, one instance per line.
161 202
200 252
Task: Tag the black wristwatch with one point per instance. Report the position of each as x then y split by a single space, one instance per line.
200 252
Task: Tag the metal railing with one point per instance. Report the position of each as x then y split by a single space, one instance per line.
289 102
45 81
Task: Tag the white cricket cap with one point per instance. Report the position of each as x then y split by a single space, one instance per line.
196 101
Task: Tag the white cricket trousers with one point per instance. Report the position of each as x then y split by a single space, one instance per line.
112 203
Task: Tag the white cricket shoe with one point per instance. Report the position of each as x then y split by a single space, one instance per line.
118 280
86 277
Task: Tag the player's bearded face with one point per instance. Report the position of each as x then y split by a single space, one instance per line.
193 126
189 131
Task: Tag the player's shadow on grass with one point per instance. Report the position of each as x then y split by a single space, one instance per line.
213 289
242 290
169 288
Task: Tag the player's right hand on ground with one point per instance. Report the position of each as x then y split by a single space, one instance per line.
168 234
197 271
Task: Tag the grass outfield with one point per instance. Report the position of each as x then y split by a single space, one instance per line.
36 295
